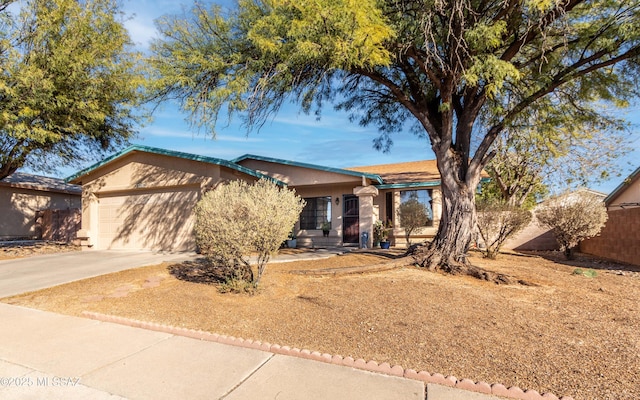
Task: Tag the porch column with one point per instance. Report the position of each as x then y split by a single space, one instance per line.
88 234
366 212
437 206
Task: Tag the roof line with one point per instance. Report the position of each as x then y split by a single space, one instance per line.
187 156
408 185
417 184
64 188
621 186
373 177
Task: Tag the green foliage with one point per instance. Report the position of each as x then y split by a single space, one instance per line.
69 83
573 217
459 73
491 192
497 222
249 60
413 216
538 153
590 273
236 219
381 231
237 285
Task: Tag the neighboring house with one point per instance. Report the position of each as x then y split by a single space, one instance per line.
25 197
535 237
143 197
619 240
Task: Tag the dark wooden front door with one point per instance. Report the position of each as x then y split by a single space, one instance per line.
350 219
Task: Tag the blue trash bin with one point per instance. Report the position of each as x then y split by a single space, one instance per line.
364 240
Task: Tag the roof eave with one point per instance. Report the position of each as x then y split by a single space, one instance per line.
620 188
171 153
408 185
373 177
40 188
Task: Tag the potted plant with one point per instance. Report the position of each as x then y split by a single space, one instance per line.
384 242
326 227
378 231
291 240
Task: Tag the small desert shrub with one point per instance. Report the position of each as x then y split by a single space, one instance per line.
237 218
497 222
588 273
573 217
237 284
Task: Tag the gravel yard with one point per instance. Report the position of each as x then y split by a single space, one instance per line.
564 333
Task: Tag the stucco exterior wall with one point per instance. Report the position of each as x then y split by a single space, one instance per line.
314 237
19 207
619 239
298 176
630 194
533 238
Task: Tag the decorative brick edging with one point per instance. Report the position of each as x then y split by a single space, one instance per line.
496 389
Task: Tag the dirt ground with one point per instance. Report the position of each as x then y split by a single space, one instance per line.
18 249
568 334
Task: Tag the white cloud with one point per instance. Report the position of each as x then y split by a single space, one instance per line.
141 31
182 134
326 122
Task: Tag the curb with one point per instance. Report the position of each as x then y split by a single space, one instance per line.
495 389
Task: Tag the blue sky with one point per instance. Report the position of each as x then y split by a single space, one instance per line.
292 135
331 141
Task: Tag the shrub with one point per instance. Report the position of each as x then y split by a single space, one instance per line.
588 273
237 218
274 213
413 216
497 222
573 217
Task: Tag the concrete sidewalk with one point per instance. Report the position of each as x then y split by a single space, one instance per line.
52 356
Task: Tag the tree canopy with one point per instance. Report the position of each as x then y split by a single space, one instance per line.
459 72
69 82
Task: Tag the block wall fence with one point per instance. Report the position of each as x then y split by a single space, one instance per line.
619 240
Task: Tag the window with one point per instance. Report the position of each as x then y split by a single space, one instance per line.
317 211
389 207
422 196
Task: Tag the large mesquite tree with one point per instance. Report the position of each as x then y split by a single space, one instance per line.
70 82
461 72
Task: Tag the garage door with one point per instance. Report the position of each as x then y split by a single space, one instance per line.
152 220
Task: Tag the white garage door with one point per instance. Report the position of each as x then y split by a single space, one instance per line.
152 220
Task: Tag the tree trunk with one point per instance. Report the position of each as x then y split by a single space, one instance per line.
448 250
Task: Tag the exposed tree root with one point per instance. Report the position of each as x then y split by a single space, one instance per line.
426 257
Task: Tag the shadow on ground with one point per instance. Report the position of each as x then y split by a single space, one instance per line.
582 260
204 271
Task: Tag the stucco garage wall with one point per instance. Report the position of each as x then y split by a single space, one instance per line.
19 206
158 219
145 201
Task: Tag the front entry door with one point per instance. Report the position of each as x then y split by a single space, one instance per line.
350 219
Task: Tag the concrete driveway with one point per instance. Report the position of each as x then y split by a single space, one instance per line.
38 272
